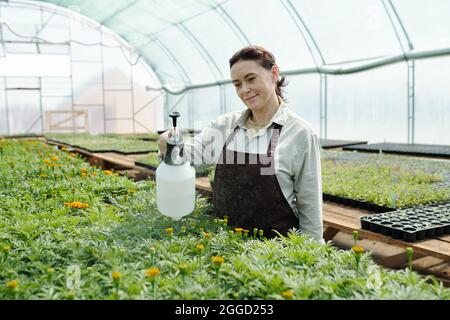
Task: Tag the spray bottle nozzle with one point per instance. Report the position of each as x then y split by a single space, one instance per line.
174 115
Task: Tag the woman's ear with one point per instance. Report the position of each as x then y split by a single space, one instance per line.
275 73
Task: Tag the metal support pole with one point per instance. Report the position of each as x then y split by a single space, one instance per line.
323 106
40 105
411 101
8 129
71 74
132 95
223 99
166 110
103 80
190 110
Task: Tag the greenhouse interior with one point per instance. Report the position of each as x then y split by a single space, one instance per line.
115 117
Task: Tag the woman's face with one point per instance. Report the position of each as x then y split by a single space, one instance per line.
254 85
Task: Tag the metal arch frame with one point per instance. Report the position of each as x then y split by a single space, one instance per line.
232 24
208 59
113 15
177 64
226 17
323 86
62 11
411 79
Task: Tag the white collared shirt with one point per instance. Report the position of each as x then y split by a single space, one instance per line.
297 165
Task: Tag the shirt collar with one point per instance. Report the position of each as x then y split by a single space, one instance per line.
279 117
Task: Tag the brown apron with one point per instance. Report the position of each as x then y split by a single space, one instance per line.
249 199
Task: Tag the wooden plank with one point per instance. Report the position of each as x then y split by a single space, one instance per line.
433 247
397 260
338 208
329 233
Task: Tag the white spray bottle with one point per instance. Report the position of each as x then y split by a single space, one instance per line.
175 178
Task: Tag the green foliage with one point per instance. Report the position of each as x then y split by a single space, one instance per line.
49 250
386 180
106 142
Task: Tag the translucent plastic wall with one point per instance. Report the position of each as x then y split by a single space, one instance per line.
374 70
101 76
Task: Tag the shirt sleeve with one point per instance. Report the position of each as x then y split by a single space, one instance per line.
201 150
308 189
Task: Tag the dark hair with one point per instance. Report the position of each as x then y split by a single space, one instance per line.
265 58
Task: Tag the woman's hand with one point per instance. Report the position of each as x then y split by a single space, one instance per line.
162 141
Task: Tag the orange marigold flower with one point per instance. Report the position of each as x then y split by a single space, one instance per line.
218 260
77 205
288 294
358 249
152 272
107 172
13 284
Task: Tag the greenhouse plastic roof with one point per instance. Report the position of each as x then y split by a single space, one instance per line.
189 42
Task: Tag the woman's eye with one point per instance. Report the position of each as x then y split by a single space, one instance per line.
251 79
237 85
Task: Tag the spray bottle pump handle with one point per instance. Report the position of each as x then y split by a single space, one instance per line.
174 115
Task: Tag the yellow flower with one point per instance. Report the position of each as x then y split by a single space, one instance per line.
13 284
83 169
54 158
107 172
207 235
6 247
64 149
218 260
169 231
73 154
183 266
43 175
358 249
152 272
288 294
116 276
238 230
46 161
50 270
199 247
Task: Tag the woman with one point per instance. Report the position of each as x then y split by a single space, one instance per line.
268 172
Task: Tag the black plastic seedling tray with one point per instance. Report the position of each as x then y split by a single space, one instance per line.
356 203
411 224
328 143
404 148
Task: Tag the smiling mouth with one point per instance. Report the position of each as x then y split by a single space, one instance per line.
250 98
